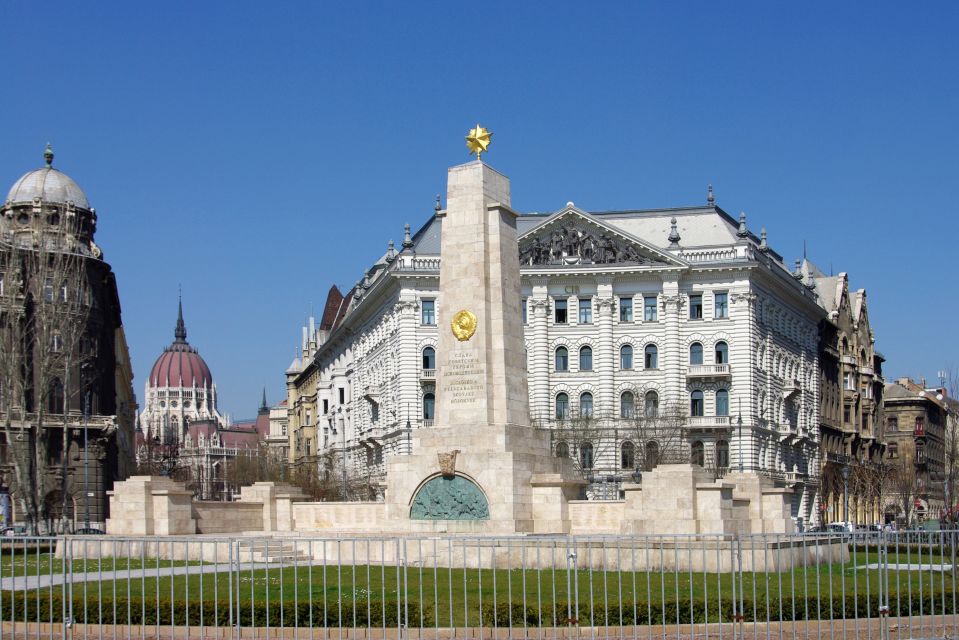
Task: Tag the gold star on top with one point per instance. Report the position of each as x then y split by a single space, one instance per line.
478 140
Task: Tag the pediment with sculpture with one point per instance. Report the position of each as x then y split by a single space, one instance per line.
570 238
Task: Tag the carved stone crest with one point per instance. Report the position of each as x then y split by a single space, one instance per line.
448 463
463 325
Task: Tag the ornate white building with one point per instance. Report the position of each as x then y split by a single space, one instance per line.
179 391
650 336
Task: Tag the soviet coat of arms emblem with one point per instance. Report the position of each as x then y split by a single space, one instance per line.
463 325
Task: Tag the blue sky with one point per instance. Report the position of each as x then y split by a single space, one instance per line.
258 152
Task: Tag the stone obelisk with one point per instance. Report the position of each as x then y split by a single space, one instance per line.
482 468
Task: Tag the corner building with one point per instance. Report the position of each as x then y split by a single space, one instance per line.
651 336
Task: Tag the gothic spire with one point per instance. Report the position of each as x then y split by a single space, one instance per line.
180 332
263 404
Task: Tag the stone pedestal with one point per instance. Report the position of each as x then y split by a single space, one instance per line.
277 500
769 506
150 505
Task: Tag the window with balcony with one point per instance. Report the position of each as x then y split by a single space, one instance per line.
562 406
585 310
651 404
722 353
627 456
428 312
652 356
695 353
696 404
586 405
586 358
625 309
722 403
559 311
626 357
696 306
429 358
649 309
720 305
627 405
562 359
429 406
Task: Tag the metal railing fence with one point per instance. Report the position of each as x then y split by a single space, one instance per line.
836 585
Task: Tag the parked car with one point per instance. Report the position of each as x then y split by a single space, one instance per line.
15 530
88 531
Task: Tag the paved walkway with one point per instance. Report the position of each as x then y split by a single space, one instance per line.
26 583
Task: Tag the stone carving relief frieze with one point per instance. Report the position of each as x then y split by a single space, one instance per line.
572 243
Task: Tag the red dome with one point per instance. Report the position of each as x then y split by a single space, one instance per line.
180 365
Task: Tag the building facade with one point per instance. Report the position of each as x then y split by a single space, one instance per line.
852 445
916 421
65 375
651 336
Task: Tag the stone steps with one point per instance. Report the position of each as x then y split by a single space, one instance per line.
270 552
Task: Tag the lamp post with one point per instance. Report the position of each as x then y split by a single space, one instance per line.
86 468
845 491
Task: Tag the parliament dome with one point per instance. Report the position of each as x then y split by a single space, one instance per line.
49 185
180 365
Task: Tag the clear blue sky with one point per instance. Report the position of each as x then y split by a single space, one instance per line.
257 152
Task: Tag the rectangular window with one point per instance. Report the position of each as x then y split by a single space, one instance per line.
559 309
428 310
721 304
845 415
625 309
1 284
525 305
585 311
326 407
342 395
847 382
893 450
696 306
649 308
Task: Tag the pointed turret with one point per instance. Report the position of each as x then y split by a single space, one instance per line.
180 332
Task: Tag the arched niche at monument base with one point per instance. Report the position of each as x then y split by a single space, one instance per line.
449 498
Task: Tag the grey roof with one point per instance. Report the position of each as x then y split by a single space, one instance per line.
49 185
427 240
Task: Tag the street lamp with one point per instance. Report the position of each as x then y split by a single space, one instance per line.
845 491
86 468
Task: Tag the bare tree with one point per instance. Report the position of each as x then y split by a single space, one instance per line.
904 485
44 322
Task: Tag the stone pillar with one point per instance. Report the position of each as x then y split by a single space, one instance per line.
605 358
409 361
540 358
673 359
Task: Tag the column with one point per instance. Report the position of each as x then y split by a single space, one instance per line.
605 360
540 357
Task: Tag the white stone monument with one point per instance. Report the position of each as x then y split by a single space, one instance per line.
482 468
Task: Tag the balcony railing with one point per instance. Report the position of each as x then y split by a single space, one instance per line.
708 370
867 371
428 374
852 360
708 422
428 422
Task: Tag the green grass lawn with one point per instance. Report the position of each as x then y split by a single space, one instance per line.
444 597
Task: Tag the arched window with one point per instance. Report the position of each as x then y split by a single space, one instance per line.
652 357
722 353
722 454
626 356
845 344
429 406
696 403
562 406
586 358
698 454
55 401
586 405
695 353
627 405
429 358
562 450
627 457
586 455
562 359
652 455
722 403
651 408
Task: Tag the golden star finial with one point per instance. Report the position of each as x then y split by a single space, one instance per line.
478 140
